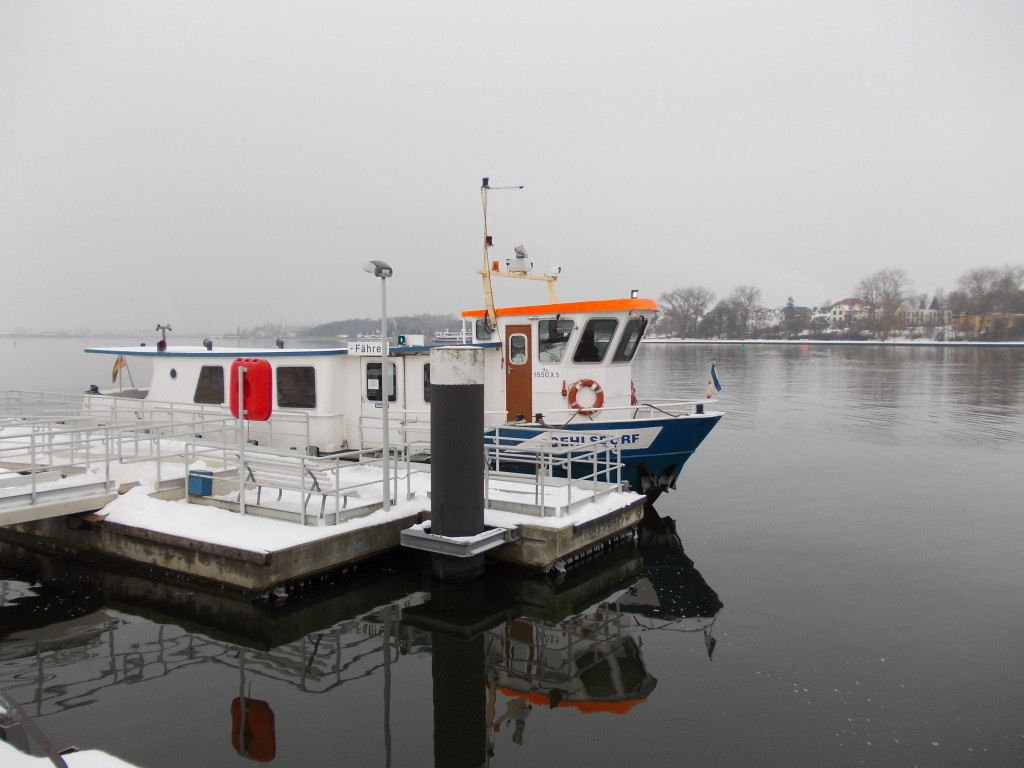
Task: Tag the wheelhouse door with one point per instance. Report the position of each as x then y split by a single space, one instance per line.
518 373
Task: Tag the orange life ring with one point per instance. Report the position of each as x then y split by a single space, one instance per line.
598 396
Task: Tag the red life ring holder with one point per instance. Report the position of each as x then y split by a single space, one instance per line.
598 396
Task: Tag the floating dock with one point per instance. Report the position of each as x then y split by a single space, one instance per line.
155 496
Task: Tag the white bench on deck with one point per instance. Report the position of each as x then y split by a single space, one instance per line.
307 475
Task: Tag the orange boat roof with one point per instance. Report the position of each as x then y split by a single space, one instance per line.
572 307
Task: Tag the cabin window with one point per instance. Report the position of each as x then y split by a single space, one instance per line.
484 329
296 387
517 349
373 382
210 387
426 383
597 335
552 339
630 339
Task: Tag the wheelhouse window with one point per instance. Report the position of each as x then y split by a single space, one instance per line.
484 329
593 344
296 387
630 342
210 387
373 382
517 349
552 339
426 383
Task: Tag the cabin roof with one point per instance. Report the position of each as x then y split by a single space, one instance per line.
228 352
568 308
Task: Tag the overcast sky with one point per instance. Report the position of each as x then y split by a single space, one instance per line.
211 164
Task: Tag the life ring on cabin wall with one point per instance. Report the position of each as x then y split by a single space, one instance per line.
595 388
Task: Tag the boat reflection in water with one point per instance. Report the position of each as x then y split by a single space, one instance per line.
500 649
592 660
673 595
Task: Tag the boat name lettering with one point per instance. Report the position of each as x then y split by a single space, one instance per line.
628 439
570 439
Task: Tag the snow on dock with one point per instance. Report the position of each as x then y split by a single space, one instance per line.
128 487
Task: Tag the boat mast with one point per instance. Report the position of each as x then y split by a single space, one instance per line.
490 268
486 271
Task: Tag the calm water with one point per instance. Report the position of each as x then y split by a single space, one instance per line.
848 549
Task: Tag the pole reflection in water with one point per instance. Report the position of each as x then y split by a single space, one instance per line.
503 649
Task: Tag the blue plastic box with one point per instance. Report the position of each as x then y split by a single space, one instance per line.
200 482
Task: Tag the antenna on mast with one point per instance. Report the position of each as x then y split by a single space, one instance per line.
485 187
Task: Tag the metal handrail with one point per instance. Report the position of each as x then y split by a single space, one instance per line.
141 408
597 462
29 449
671 409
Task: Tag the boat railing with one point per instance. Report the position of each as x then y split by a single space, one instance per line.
405 426
410 426
673 409
20 403
285 427
288 469
37 451
404 463
174 442
408 461
584 464
44 449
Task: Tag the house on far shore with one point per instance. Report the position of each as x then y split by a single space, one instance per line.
915 315
989 325
842 312
762 318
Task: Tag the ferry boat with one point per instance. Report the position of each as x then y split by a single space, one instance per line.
556 374
453 337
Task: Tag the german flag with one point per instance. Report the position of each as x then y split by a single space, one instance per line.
118 365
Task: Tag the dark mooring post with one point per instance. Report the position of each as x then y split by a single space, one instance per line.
457 454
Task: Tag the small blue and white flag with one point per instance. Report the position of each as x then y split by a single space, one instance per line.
714 385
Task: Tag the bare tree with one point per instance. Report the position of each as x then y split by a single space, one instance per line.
673 312
885 292
1008 291
684 306
976 290
745 298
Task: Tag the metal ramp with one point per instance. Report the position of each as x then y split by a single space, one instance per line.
19 504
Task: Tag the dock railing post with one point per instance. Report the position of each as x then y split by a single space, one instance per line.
241 439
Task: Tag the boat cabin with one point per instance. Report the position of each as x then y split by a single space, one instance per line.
551 362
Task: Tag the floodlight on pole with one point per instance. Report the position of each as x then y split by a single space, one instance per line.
383 270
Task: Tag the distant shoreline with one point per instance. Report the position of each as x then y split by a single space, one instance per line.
657 340
840 342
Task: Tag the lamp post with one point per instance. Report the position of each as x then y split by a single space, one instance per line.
383 271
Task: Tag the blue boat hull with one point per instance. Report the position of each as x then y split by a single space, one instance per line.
653 451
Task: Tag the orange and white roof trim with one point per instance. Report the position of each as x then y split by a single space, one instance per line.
570 308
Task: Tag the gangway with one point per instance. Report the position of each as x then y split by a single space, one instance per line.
58 500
